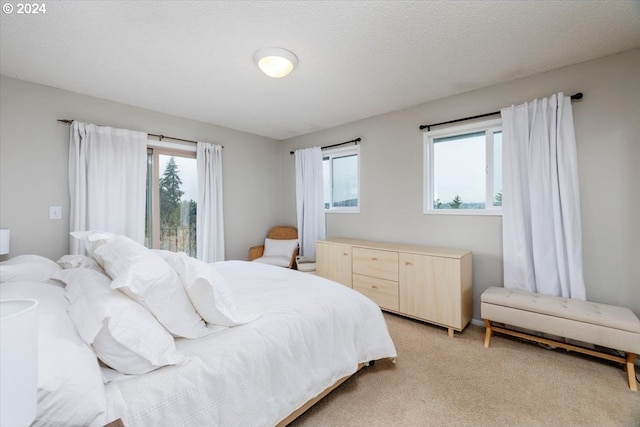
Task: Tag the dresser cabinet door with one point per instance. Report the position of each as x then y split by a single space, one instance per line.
333 262
429 288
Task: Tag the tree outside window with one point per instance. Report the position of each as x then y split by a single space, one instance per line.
171 208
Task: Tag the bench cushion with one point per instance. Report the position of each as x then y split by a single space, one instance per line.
602 324
584 311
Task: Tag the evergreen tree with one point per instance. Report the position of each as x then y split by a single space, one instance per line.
193 211
498 199
170 195
456 202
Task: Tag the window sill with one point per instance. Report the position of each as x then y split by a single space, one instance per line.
464 212
342 211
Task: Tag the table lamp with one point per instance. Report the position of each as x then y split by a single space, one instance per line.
5 236
18 362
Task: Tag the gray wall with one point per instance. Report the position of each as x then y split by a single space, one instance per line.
607 123
259 177
34 166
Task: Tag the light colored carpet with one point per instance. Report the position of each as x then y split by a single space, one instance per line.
442 381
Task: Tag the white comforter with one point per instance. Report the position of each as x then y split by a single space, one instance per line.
310 333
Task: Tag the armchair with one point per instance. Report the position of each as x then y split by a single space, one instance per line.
280 248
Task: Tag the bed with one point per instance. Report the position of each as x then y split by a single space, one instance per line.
281 340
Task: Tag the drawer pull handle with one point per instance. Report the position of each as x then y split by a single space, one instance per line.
374 287
408 263
374 258
345 254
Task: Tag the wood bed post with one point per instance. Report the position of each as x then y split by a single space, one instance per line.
487 333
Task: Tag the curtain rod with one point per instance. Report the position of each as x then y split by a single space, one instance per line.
577 96
160 137
337 145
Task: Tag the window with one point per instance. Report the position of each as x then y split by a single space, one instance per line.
463 169
340 168
172 194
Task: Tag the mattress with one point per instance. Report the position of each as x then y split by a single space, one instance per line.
310 332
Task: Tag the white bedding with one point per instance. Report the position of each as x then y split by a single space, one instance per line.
310 333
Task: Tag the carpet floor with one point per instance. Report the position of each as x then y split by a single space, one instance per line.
442 381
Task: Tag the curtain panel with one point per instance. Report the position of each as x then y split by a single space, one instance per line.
309 199
209 217
542 226
107 181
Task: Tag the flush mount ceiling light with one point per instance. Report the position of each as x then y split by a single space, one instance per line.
275 62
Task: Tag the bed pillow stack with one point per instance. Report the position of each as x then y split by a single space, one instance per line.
129 302
207 289
146 278
123 334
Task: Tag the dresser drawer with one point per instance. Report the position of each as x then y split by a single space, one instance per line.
382 292
375 263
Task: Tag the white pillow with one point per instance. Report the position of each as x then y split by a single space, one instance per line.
79 261
29 268
91 240
70 387
149 280
124 335
207 289
281 248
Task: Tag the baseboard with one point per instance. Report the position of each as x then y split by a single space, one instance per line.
477 322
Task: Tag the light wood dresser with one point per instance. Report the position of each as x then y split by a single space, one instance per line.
429 284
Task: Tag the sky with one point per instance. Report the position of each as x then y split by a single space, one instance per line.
460 169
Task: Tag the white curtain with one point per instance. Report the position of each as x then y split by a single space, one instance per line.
542 227
209 218
107 181
309 199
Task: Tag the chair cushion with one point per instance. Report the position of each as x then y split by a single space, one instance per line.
280 261
280 248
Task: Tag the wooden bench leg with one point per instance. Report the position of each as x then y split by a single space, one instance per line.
631 371
450 332
487 332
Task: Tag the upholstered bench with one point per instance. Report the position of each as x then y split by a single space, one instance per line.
600 324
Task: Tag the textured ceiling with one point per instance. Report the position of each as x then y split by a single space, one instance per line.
357 59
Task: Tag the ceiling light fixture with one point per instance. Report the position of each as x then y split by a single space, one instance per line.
275 62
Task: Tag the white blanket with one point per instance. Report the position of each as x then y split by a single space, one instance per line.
310 333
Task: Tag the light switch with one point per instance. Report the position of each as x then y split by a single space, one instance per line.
55 212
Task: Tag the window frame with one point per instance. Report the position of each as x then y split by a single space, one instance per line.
490 127
342 152
156 149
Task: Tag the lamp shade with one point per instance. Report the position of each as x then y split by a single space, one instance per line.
18 362
5 239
